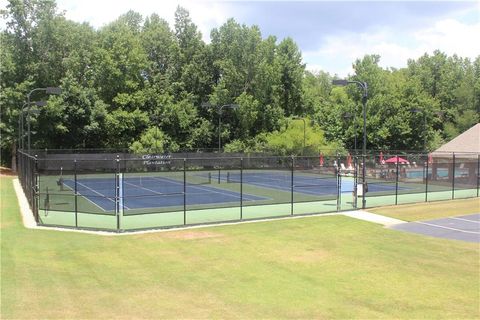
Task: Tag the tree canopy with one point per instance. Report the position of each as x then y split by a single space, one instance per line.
142 84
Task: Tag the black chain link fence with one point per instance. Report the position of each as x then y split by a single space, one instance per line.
124 192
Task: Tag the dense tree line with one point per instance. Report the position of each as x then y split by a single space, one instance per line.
138 83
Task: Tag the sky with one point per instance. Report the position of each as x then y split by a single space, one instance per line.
330 34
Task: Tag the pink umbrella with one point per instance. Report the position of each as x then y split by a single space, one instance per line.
395 160
321 160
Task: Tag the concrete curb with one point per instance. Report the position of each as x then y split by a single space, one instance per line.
27 215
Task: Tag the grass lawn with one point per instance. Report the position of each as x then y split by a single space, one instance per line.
316 267
431 210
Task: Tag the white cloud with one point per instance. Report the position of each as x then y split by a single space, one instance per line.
394 47
450 36
206 15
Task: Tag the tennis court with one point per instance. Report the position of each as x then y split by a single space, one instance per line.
152 192
108 192
464 228
306 183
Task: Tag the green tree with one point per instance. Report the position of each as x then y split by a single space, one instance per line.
153 141
291 68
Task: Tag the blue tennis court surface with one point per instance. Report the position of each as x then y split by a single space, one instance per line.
153 192
306 184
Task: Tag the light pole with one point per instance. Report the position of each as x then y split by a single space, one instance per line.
424 126
304 131
231 106
21 125
48 90
364 87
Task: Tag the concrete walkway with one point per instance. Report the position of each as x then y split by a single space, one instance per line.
372 217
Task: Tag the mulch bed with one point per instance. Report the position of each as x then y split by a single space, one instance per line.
7 172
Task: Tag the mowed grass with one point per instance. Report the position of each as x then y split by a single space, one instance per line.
316 267
430 210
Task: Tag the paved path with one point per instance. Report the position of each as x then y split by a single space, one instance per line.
465 228
372 217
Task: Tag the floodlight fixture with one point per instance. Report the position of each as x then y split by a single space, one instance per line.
340 82
53 90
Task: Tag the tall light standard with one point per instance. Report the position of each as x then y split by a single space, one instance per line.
220 108
21 125
364 87
304 131
48 90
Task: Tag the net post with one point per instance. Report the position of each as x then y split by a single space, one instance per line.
453 175
425 167
291 186
75 191
396 181
184 191
241 188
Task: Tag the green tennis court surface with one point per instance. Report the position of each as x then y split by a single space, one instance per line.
195 214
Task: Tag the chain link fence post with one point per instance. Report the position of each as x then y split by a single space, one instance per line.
478 173
184 191
396 180
339 192
425 167
241 189
117 192
291 186
453 177
75 191
36 196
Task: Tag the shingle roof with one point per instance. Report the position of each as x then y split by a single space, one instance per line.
467 142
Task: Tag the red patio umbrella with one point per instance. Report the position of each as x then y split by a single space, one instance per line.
395 160
321 160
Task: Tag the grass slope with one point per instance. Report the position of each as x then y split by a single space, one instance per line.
317 267
432 210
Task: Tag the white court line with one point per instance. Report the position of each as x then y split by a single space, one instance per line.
156 192
464 219
454 229
79 194
212 190
101 194
288 188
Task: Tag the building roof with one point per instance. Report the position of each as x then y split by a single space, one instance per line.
467 142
